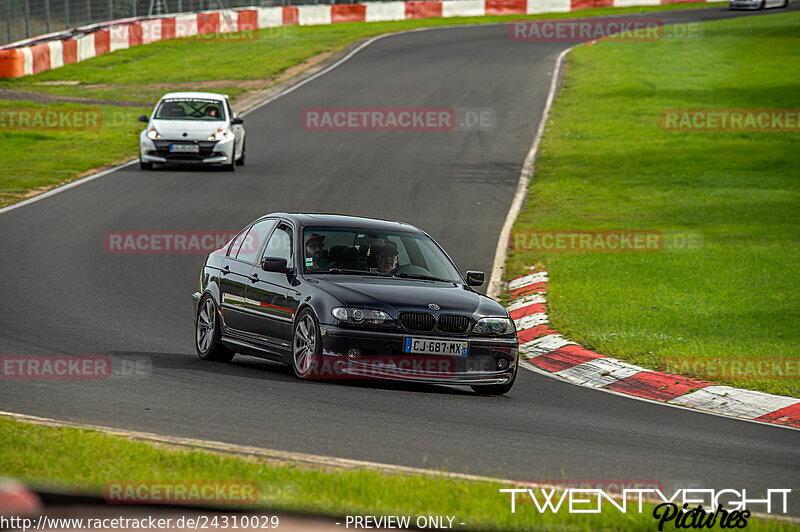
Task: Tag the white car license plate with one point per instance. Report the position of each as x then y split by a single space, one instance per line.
184 148
432 346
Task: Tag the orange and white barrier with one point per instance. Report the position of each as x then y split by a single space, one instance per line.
23 59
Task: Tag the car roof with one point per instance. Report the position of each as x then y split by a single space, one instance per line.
341 220
207 95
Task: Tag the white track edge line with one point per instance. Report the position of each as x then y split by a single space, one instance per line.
62 188
289 456
287 90
86 179
530 367
341 463
501 252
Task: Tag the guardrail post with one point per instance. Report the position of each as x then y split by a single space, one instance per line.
8 20
180 6
110 9
47 15
27 19
133 3
66 14
88 11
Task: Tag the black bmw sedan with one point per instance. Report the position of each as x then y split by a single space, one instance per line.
340 297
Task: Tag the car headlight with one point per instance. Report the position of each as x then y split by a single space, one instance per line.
360 315
494 326
218 134
152 134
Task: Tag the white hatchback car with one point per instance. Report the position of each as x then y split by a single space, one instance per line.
757 4
192 128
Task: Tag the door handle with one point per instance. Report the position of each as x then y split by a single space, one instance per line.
254 278
226 270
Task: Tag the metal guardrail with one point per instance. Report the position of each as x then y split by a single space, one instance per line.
25 19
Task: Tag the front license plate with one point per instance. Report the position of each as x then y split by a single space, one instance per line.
184 148
432 346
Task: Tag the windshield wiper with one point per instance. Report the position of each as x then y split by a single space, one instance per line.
354 272
422 277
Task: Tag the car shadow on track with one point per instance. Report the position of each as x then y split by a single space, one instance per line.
266 370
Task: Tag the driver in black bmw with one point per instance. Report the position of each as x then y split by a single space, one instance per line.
387 258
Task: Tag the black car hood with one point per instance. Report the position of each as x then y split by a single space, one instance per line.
407 294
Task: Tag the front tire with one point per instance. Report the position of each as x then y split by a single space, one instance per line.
207 333
143 165
306 345
231 167
240 162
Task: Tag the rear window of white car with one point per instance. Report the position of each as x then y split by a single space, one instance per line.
190 109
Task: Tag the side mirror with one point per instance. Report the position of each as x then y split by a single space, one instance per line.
236 121
273 264
143 118
474 278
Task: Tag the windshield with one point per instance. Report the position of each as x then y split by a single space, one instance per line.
380 253
190 109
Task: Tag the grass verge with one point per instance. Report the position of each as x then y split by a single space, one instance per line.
85 460
143 73
606 164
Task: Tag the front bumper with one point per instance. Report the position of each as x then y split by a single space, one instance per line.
745 4
380 356
209 152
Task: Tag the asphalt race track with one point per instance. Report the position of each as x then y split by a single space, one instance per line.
64 294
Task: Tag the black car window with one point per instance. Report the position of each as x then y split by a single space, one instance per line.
280 244
350 250
254 240
190 109
236 243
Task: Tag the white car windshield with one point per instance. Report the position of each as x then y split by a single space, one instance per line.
190 109
381 253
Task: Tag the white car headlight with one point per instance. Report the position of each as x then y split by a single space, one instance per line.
218 134
359 315
152 134
494 326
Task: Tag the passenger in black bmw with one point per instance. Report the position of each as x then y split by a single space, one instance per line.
416 318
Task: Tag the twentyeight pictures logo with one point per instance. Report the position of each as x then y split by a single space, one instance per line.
685 508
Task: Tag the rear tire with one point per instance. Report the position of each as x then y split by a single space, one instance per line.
496 389
306 345
207 333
